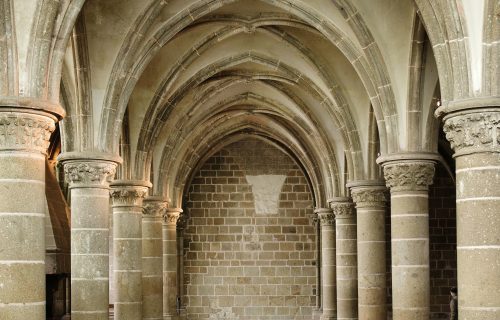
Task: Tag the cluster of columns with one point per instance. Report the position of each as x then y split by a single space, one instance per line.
358 240
353 254
143 229
474 135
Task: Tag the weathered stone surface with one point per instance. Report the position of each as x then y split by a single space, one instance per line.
370 200
24 138
257 266
346 252
152 257
266 192
127 198
474 135
169 235
165 84
409 180
89 184
473 131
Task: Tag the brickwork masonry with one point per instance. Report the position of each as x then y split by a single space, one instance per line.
242 264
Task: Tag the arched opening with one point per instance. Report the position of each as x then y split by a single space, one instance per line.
250 241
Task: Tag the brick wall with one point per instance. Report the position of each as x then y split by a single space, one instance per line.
443 242
244 257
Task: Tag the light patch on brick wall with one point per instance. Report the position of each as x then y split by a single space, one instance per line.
266 191
224 314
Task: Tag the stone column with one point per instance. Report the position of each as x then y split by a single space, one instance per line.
347 271
475 137
317 226
152 258
89 186
127 197
370 200
328 277
170 218
409 179
24 139
181 225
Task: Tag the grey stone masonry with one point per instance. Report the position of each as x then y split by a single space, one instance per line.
328 263
89 184
408 176
346 262
127 197
152 267
169 229
24 138
370 200
474 135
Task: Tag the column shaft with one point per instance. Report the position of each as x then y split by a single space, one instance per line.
475 137
409 181
24 138
170 262
127 199
152 269
370 212
181 225
318 264
347 278
328 263
89 237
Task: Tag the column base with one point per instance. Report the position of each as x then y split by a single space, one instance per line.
328 317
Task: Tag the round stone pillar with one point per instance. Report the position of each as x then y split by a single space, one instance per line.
181 225
346 261
370 200
152 258
24 139
475 137
89 186
127 197
328 272
169 229
409 178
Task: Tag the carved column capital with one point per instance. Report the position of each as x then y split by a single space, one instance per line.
473 131
81 173
342 208
171 215
368 193
326 216
128 193
154 206
25 130
409 175
88 169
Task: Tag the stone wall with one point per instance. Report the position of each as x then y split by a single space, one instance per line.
250 245
443 242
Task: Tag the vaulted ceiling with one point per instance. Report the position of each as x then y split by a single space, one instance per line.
167 83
